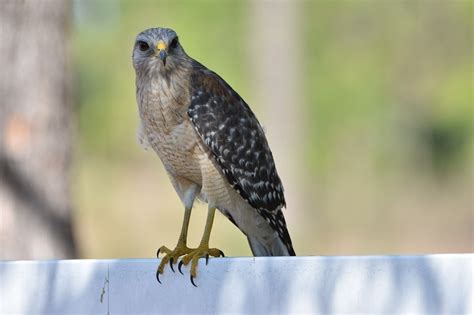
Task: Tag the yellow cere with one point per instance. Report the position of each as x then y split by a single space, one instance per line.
161 45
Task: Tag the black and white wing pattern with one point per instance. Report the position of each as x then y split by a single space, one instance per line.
230 130
233 134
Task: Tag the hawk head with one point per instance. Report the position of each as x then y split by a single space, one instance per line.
158 49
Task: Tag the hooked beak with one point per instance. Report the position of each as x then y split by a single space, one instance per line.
161 48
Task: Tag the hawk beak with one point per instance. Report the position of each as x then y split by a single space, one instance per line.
161 47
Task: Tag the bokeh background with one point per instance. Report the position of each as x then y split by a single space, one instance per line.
367 105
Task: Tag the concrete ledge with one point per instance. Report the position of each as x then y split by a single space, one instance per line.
433 284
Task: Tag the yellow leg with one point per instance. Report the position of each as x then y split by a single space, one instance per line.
181 249
203 249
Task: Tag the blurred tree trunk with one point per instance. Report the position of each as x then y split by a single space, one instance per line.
276 30
35 131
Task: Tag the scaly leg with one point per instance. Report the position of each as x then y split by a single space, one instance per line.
203 249
181 249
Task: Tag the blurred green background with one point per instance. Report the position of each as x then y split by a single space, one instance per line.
385 123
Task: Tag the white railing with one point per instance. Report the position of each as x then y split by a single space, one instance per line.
432 284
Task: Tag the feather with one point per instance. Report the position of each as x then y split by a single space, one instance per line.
233 134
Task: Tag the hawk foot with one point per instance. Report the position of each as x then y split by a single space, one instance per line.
193 257
171 257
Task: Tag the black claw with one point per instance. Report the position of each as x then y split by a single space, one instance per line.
158 253
222 253
207 258
171 263
179 267
192 281
158 276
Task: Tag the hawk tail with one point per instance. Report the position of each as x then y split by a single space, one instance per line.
280 245
276 248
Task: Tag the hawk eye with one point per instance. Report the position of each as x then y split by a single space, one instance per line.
143 46
174 43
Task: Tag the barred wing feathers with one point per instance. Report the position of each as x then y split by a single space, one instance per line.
233 134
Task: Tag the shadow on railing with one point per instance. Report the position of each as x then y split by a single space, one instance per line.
368 284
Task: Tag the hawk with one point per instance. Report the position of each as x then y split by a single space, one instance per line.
212 147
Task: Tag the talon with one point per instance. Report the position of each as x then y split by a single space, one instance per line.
179 267
171 263
158 253
158 275
192 280
207 258
222 253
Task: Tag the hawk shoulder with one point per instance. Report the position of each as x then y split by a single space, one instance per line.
232 133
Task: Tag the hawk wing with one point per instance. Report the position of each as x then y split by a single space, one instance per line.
230 130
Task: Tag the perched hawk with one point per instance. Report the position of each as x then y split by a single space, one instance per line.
211 145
